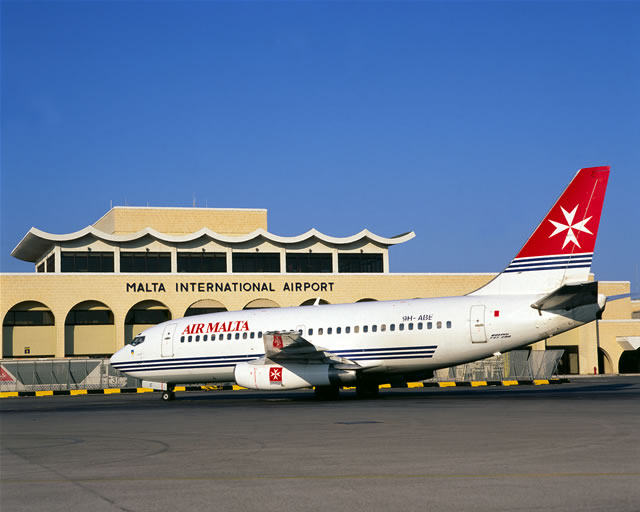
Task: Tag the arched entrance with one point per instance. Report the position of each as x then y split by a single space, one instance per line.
205 306
629 361
604 362
261 304
28 330
89 330
143 315
311 302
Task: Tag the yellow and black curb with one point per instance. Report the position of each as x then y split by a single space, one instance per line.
228 387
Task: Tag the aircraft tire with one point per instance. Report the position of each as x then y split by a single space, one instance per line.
327 392
168 396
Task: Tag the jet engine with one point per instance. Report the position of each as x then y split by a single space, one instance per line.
292 376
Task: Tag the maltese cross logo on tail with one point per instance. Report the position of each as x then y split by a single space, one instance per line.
275 375
569 227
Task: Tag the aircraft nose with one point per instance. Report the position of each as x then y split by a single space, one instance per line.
120 356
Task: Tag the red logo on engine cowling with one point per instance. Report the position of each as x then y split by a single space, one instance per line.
277 341
275 375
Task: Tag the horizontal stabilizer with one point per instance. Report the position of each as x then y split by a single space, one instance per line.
569 296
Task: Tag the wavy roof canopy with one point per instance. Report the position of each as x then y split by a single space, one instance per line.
36 242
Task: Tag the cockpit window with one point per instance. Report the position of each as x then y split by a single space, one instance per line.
137 340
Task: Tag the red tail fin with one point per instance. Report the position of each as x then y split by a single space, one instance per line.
560 249
571 226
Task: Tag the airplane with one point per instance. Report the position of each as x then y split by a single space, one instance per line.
545 290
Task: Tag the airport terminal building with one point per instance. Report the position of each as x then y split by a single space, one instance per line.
92 290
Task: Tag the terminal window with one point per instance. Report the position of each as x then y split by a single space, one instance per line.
147 316
145 262
315 263
89 317
359 263
202 262
91 261
256 262
16 318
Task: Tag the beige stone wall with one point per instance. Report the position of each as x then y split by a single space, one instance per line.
121 220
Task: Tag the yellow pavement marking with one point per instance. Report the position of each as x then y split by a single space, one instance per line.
111 391
78 392
476 383
415 385
6 394
385 386
44 393
447 384
238 388
180 388
540 382
509 382
144 390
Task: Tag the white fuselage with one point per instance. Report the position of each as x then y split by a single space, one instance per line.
391 337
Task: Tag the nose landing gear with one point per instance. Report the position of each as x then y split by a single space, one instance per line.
168 395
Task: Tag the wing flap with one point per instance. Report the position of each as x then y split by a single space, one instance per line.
290 346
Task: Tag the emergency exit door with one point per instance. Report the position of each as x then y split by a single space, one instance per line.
167 340
476 320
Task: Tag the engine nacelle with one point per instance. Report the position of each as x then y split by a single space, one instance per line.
293 376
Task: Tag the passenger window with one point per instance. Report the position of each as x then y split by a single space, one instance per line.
347 330
356 329
252 335
439 325
429 325
181 339
419 326
310 332
229 336
383 327
338 330
244 335
401 327
259 334
221 337
237 335
365 328
300 332
198 337
392 327
410 326
320 331
448 325
374 328
329 329
189 339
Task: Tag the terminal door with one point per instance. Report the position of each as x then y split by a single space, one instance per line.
167 340
476 321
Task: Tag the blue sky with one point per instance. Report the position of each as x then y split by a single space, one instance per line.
460 121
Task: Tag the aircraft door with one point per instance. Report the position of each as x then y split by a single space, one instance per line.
476 321
167 340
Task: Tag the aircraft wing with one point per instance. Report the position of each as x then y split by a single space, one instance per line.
290 347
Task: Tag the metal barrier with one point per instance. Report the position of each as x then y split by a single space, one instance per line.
81 373
62 375
516 365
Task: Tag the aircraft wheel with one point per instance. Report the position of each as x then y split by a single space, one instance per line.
327 392
167 396
367 391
